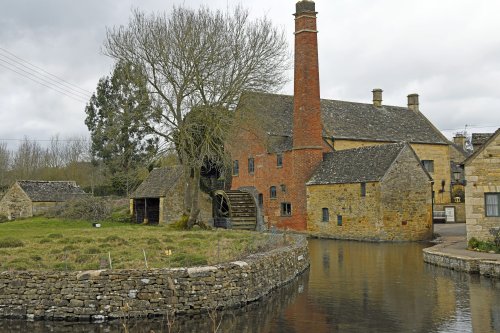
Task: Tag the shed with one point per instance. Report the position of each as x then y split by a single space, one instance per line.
161 188
28 198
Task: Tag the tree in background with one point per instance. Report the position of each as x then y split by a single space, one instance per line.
200 61
118 117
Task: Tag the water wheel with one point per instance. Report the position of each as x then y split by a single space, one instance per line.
234 209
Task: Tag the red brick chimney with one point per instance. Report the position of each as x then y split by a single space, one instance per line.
307 127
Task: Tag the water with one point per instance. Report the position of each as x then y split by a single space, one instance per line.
350 287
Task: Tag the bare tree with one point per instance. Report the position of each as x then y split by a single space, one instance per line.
4 163
199 60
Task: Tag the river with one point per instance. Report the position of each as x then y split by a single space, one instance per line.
350 287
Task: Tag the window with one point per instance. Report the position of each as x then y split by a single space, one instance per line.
363 189
251 166
261 199
456 175
279 160
339 220
428 165
326 215
236 168
492 203
283 188
286 209
272 192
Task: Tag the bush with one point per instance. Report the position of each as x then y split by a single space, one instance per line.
85 208
495 232
10 242
3 218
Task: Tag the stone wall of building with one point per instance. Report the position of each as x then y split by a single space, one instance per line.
406 200
361 216
15 203
108 294
482 174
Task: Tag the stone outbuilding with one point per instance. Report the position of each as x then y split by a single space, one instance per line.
27 198
371 193
159 198
482 190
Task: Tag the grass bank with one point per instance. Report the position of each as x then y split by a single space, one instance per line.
56 244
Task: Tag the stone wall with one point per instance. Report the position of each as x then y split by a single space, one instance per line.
109 294
482 174
16 203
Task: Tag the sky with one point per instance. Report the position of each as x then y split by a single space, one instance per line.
447 51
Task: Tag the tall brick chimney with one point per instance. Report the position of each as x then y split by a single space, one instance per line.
413 103
307 127
377 97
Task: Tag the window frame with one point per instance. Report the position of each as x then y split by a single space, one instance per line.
279 160
286 209
492 194
339 220
325 215
261 199
430 163
251 165
272 192
236 168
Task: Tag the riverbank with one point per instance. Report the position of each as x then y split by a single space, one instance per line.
110 294
451 252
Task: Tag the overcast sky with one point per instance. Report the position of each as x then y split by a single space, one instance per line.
448 51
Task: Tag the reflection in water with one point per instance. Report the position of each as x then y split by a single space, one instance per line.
351 287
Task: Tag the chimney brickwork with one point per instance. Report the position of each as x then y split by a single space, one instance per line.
413 103
377 97
307 126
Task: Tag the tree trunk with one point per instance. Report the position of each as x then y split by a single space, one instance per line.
195 191
188 186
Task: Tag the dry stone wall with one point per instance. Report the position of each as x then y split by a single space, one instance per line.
109 294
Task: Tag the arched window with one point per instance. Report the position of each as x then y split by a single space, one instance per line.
272 192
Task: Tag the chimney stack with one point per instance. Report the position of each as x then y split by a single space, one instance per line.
307 128
377 97
459 140
413 102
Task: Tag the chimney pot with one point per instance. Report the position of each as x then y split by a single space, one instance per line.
413 103
377 97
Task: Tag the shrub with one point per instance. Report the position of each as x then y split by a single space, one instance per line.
85 208
3 218
495 232
10 242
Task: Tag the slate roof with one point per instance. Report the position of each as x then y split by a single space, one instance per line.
50 191
158 183
482 147
366 164
341 120
478 139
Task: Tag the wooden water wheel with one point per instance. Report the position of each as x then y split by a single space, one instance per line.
234 209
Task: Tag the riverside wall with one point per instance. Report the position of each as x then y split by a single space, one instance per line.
110 294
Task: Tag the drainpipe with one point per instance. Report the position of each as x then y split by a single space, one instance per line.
432 208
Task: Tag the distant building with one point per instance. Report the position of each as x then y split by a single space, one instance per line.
28 198
478 139
482 192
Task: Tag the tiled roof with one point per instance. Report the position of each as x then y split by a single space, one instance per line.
158 182
478 139
366 164
50 191
342 120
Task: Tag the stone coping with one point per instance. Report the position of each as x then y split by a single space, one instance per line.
453 255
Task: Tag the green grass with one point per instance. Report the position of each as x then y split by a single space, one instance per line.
56 244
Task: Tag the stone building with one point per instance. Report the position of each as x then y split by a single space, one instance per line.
280 140
482 192
27 198
371 193
159 198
